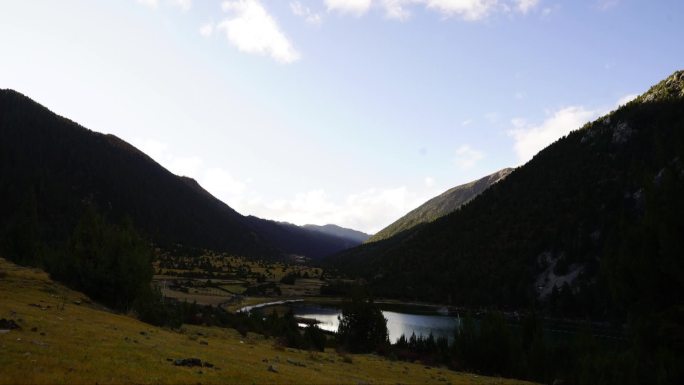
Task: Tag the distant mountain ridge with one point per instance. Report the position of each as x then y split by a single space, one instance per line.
354 236
441 205
60 167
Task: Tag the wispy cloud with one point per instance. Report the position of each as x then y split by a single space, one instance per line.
369 210
626 99
354 7
217 180
311 17
525 6
397 9
251 29
529 139
149 3
467 157
471 10
207 29
183 4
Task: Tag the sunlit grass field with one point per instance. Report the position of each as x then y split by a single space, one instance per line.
66 339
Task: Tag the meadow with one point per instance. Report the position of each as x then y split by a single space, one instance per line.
65 338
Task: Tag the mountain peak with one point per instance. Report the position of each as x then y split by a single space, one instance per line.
670 88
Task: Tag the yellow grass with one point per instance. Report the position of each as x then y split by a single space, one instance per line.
87 344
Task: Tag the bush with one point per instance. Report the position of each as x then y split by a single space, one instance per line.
315 338
150 308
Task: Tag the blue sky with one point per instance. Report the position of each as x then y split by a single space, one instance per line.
336 111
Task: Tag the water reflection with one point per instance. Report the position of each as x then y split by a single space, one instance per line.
400 321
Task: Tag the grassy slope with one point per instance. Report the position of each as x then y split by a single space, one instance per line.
86 344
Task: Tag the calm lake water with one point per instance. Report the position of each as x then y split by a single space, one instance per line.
401 319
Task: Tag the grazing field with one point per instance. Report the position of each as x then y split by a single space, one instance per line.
228 281
63 338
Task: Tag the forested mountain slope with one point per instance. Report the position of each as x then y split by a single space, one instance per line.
51 168
441 205
592 225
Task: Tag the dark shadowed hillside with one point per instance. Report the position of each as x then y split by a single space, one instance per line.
592 225
353 236
50 168
300 240
440 205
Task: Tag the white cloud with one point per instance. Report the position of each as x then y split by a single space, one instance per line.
369 210
398 9
305 13
218 181
149 3
253 30
525 6
185 5
207 29
466 9
467 157
221 183
355 7
530 139
185 166
626 99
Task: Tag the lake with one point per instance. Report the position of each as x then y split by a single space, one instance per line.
401 319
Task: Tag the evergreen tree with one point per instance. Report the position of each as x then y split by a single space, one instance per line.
362 327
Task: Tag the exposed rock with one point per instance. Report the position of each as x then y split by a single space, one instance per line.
9 324
295 363
272 368
547 280
622 133
188 362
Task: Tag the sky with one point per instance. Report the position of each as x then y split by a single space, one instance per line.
350 112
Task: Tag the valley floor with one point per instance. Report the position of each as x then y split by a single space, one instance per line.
65 338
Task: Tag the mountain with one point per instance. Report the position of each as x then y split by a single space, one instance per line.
441 205
353 236
591 226
51 168
299 240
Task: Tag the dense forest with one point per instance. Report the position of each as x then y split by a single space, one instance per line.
591 228
599 212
